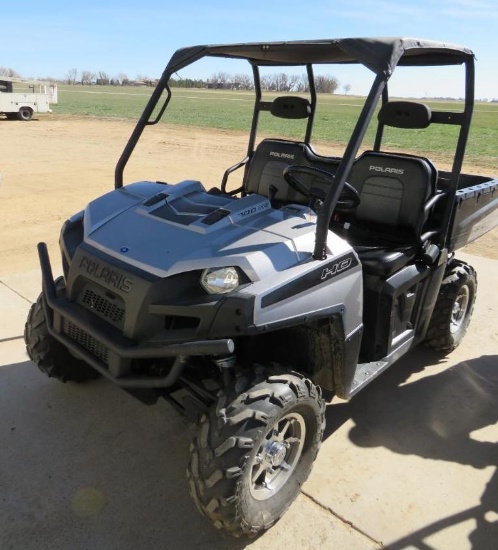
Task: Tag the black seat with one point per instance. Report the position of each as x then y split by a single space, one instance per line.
265 171
387 227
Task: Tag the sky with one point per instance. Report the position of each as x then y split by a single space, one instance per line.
47 39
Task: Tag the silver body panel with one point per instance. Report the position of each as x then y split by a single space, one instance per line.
272 246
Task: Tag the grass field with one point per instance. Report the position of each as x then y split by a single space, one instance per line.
335 118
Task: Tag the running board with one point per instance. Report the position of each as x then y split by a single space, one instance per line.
366 372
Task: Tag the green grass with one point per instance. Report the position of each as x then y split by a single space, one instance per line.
334 120
101 101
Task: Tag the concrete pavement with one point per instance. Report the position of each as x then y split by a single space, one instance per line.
411 462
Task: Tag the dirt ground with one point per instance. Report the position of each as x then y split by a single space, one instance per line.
51 167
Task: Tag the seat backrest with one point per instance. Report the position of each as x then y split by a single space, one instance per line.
394 190
268 162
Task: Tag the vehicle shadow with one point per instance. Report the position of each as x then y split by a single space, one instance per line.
485 535
91 467
432 417
417 360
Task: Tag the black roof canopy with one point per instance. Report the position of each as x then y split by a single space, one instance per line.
381 55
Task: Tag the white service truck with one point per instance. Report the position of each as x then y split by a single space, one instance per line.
29 97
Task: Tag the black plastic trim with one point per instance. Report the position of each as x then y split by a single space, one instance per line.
344 377
313 278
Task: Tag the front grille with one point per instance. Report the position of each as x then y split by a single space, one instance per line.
87 341
103 303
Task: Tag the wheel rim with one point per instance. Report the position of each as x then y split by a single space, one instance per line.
459 311
277 456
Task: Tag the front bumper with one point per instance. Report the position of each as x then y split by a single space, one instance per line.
60 312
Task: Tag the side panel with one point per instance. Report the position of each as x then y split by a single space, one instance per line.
476 213
317 289
397 311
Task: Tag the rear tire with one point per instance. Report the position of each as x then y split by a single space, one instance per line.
454 306
25 113
255 450
48 354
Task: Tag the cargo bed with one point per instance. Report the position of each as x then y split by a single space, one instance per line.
475 211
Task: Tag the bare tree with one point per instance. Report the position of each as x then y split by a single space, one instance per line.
326 84
281 81
220 80
295 83
103 78
7 71
302 84
346 88
266 82
223 78
243 81
277 82
87 77
123 79
71 76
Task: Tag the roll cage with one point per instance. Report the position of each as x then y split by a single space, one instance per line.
379 55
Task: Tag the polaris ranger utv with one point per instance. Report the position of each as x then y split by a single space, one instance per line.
239 305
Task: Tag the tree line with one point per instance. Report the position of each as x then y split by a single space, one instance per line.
103 78
277 82
86 77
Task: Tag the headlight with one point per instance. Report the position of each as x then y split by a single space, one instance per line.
219 280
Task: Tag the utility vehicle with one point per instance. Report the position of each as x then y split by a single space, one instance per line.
30 96
240 305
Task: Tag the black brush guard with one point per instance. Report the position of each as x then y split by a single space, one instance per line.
124 348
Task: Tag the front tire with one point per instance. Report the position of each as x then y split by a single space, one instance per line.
255 450
453 310
48 354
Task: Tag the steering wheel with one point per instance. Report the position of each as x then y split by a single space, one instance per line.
348 200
